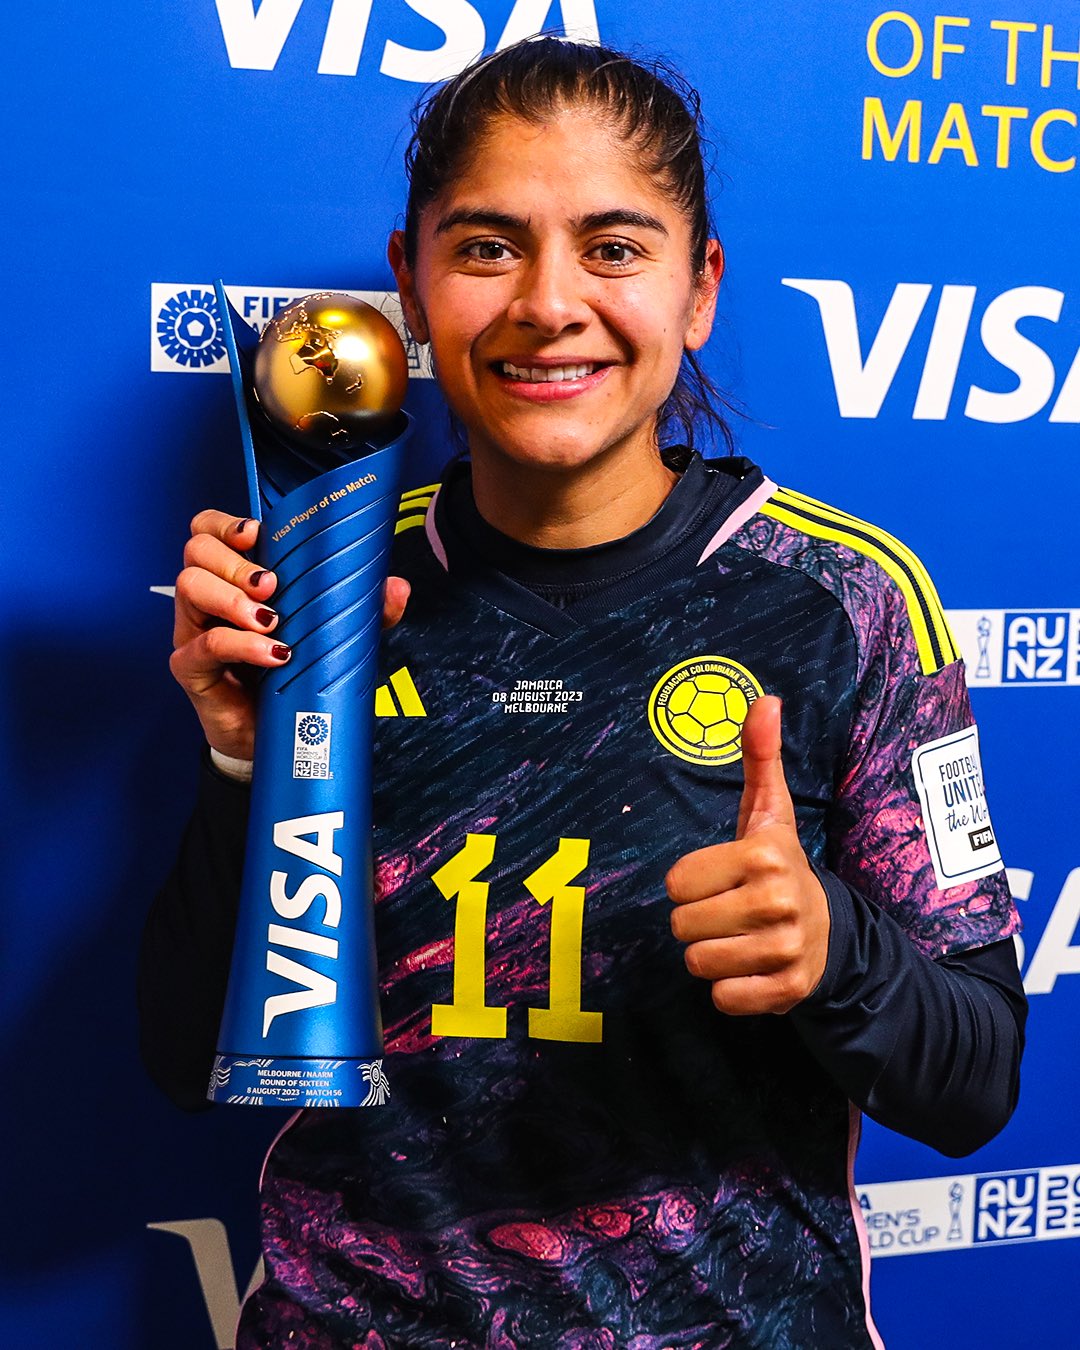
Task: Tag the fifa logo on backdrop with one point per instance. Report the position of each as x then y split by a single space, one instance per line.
862 382
188 329
1019 648
255 37
186 333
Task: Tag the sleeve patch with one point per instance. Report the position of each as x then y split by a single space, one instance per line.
949 780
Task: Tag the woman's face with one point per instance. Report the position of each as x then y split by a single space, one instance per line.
553 281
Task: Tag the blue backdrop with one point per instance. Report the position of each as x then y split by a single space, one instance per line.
897 195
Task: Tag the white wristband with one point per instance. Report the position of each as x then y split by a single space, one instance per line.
241 770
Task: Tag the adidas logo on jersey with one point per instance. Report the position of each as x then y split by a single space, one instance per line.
399 697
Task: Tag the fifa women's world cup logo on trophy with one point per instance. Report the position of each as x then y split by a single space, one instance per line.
319 397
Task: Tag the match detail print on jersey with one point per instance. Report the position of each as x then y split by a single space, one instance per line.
470 1014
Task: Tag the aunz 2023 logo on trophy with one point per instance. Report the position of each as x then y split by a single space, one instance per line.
319 397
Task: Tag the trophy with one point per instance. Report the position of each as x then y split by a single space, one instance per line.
319 398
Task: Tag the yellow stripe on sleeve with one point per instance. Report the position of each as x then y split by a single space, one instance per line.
933 640
409 523
921 578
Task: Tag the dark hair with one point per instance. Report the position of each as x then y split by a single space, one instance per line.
651 105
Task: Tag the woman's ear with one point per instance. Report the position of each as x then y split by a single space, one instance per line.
414 315
706 286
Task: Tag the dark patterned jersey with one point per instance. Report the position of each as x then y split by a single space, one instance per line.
579 1151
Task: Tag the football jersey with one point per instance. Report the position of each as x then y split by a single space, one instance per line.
578 1149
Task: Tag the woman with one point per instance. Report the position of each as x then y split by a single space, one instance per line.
618 1117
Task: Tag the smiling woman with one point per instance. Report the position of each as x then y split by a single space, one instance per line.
554 279
640 968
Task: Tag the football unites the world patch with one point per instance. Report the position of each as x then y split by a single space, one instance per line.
697 709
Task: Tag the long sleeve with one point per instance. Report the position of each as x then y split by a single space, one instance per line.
930 1048
187 944
920 1014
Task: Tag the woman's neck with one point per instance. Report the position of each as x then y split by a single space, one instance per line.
556 507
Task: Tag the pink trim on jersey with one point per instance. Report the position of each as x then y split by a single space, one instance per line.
432 534
262 1174
738 518
854 1130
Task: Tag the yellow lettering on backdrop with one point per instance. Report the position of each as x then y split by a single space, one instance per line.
1049 56
955 119
875 122
894 16
1014 28
1005 116
941 22
1038 131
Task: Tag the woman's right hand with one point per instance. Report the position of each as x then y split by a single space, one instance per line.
225 621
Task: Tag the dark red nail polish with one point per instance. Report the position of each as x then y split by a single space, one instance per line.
256 577
265 616
242 525
280 652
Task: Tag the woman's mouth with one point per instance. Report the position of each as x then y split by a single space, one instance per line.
547 374
551 383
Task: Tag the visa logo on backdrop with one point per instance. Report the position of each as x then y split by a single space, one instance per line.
255 38
862 384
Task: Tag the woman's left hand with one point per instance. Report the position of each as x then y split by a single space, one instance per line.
752 913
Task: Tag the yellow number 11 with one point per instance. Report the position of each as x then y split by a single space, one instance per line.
470 1014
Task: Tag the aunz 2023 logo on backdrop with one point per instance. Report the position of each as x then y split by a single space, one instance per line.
1018 648
862 383
255 37
938 1214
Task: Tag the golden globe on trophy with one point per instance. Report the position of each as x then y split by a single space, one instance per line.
330 372
319 397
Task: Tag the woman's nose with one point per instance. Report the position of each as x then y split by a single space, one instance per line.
551 295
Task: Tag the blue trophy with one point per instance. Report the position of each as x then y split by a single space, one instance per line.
319 397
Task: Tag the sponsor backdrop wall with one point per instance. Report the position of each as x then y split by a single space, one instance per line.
898 196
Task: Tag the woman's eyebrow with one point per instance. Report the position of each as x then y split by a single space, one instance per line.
606 220
483 218
480 218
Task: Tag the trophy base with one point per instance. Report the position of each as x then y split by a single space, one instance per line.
246 1080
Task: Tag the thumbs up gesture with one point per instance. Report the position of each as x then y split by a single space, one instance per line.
752 913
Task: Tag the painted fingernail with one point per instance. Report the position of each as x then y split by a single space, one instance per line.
241 525
280 652
265 616
256 577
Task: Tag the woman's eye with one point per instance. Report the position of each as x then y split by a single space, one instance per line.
615 252
488 250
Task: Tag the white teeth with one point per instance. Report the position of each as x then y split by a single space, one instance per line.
547 374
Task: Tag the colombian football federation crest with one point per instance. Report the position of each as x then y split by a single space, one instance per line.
697 709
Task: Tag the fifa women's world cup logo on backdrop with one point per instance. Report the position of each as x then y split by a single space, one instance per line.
697 709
